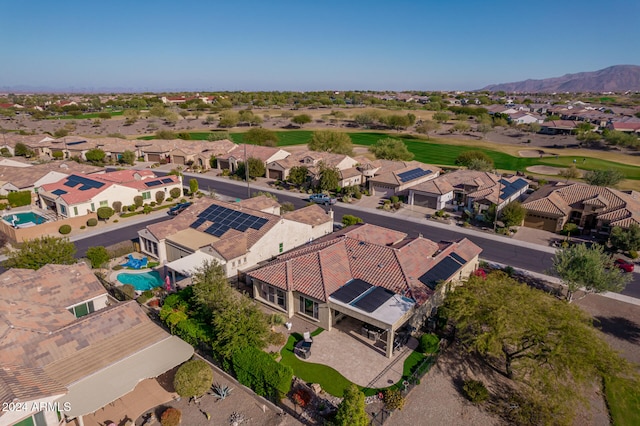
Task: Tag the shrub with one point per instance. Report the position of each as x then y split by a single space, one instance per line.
429 343
393 399
105 213
171 417
57 155
138 200
348 220
159 197
83 227
475 391
570 229
175 192
148 293
394 199
98 256
153 204
193 378
132 208
301 397
169 200
64 229
142 299
92 222
259 371
118 267
633 254
117 206
19 198
276 339
129 290
147 209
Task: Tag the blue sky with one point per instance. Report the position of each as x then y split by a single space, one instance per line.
309 45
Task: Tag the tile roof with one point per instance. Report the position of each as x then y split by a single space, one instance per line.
620 208
190 215
319 269
261 202
391 169
311 215
256 151
25 177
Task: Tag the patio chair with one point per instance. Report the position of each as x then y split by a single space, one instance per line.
307 337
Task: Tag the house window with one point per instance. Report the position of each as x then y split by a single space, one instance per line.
82 309
150 246
308 307
146 195
280 247
63 210
36 419
104 203
75 210
276 296
93 207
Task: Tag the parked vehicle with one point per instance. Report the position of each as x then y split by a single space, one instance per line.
179 208
322 199
624 265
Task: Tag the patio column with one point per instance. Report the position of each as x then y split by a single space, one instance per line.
80 421
390 334
173 281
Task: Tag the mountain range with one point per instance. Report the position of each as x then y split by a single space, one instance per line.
617 78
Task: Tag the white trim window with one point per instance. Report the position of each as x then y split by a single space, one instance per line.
276 296
308 307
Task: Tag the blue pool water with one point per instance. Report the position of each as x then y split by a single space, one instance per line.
143 281
24 217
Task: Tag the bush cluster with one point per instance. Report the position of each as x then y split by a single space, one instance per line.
429 343
475 391
259 371
92 222
171 417
65 229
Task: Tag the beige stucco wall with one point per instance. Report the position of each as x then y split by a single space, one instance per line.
49 228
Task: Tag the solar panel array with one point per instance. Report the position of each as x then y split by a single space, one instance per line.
373 299
413 174
351 291
75 180
152 183
442 271
167 180
458 258
75 143
509 188
59 192
224 218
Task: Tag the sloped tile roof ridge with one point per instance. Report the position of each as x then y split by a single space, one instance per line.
396 254
323 285
309 248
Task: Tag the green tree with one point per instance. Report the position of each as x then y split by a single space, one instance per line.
625 239
158 110
98 256
329 177
95 155
193 185
211 289
301 119
330 141
398 122
229 119
427 126
218 136
480 165
35 253
391 149
298 175
550 349
165 134
603 177
193 379
21 150
460 127
589 269
128 157
351 411
484 129
464 159
513 214
105 213
349 220
441 117
256 168
260 136
61 133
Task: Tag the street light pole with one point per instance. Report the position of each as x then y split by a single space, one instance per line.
246 171
495 219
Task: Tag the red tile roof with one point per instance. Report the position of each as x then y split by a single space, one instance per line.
319 269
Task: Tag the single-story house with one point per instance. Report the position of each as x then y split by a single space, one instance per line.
312 160
469 189
68 349
236 235
34 176
559 127
78 194
375 275
240 153
396 177
592 208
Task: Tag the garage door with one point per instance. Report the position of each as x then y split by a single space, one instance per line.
153 157
179 159
425 201
382 192
275 174
538 222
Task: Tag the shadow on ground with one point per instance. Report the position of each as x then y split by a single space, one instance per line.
619 327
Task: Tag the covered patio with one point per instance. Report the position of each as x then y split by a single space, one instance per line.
186 266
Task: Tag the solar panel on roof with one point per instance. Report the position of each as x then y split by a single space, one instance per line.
373 299
167 180
442 271
59 192
197 222
75 143
457 257
152 183
351 290
75 180
412 174
224 218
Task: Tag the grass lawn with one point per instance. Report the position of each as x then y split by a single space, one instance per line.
331 380
623 400
83 116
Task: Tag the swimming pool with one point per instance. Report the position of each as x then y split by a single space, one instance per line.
24 218
143 281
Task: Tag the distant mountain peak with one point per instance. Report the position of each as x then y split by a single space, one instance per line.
617 78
